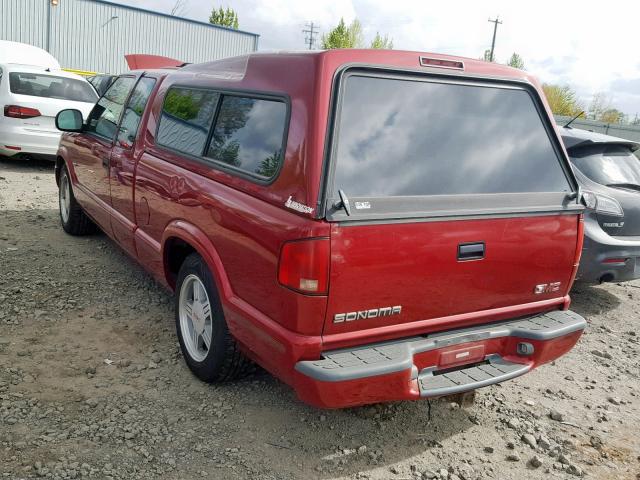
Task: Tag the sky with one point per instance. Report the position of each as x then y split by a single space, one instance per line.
591 46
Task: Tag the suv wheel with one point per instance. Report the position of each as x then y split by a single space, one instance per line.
74 220
210 351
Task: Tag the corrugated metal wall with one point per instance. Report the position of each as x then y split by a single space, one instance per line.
24 21
95 35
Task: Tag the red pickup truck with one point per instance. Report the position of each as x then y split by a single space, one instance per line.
366 225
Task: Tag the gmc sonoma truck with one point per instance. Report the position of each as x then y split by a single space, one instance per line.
367 225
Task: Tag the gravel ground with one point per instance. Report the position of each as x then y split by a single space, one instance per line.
92 385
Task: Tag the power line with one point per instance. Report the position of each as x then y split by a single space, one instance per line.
495 29
310 32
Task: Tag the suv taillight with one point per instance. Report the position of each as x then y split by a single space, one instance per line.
602 203
15 111
304 265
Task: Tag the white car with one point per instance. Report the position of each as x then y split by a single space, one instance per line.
30 98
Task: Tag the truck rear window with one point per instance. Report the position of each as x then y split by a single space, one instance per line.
50 86
400 136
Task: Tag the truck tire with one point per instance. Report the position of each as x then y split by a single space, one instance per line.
73 219
210 351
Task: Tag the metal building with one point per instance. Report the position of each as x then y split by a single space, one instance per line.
95 35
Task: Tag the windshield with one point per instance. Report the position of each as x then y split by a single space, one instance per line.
50 86
608 164
403 136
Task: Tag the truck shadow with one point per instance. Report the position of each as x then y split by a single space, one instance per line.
590 300
342 443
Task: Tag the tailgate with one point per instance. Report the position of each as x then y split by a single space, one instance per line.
451 203
392 274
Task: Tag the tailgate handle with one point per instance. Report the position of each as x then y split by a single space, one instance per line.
471 251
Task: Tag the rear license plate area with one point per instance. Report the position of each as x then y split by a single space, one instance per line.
461 356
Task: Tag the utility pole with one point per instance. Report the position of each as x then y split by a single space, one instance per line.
495 29
311 31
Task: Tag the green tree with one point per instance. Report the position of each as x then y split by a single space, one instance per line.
601 109
225 17
516 61
600 103
343 36
562 99
612 115
228 153
382 43
181 105
486 56
269 166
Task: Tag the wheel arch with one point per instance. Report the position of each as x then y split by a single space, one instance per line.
179 240
60 162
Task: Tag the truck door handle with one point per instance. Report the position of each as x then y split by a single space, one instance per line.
471 251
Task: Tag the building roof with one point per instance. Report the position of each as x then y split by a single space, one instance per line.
161 14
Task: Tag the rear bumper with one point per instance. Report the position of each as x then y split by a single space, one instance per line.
440 364
19 140
598 252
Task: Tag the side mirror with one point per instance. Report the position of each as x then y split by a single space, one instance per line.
69 120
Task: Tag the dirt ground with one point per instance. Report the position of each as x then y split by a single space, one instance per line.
93 385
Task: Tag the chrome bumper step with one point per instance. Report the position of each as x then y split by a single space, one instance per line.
496 370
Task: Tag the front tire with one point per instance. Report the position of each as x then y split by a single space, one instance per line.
210 351
73 219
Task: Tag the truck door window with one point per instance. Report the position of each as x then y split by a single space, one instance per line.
103 119
133 111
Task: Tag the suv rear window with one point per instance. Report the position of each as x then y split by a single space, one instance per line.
403 136
50 86
608 164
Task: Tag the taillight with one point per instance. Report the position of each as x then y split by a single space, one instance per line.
15 111
615 261
602 203
304 265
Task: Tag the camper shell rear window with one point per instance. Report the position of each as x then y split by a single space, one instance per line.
410 145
